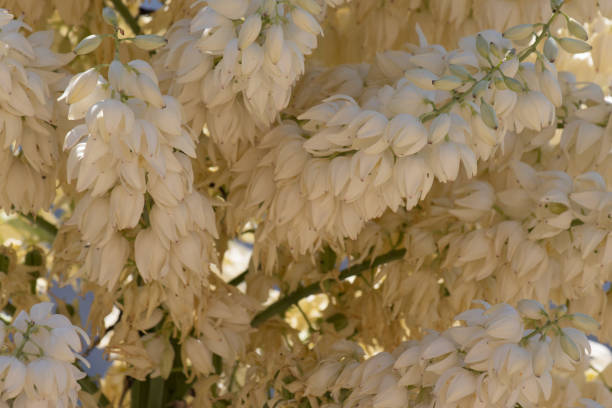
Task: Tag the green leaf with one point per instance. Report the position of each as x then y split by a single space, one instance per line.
328 260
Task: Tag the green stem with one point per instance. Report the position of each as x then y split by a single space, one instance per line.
156 393
280 307
47 229
305 316
127 16
239 279
527 51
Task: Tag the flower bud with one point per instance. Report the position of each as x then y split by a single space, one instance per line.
421 77
488 114
88 44
585 322
576 29
531 309
459 71
574 46
569 347
551 51
109 15
510 67
149 42
496 50
439 127
249 31
513 84
305 21
480 87
518 32
447 83
482 46
556 4
273 45
310 6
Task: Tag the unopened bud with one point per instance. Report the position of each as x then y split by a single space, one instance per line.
459 71
569 347
480 87
310 6
576 29
555 4
531 309
109 15
488 114
551 51
585 322
499 83
447 83
519 32
149 42
513 84
497 51
510 67
574 46
88 44
482 46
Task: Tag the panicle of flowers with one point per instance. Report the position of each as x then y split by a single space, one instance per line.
498 357
29 142
505 236
234 64
38 352
427 114
131 158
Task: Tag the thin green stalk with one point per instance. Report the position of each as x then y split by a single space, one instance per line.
527 52
280 306
127 16
239 279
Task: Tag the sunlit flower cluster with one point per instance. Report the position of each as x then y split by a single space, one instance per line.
29 141
498 357
37 368
292 203
236 62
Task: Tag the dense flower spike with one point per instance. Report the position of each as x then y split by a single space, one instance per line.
131 158
239 59
29 140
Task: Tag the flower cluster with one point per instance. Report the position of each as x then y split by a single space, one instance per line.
499 357
348 162
236 62
37 368
29 141
131 158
